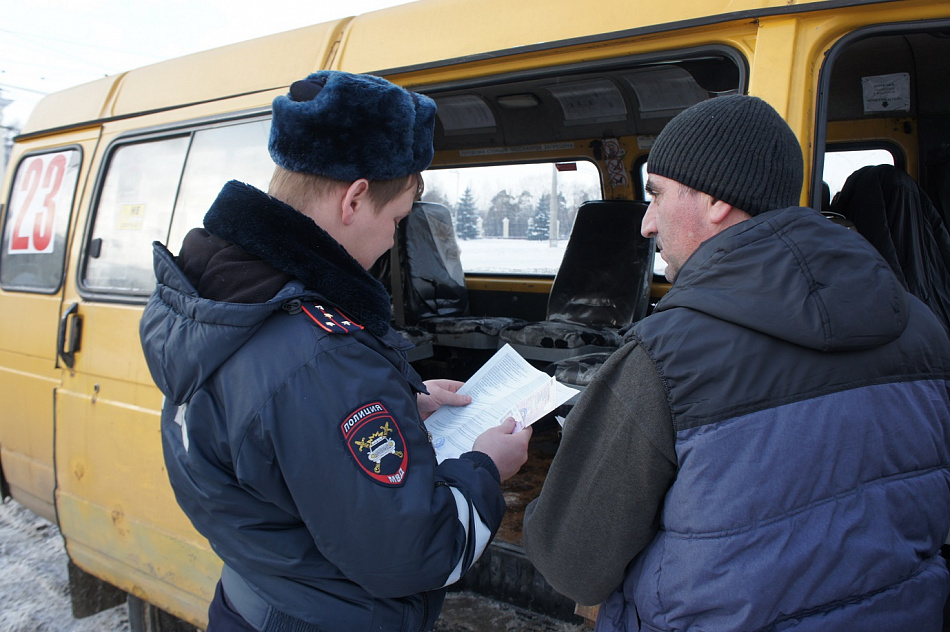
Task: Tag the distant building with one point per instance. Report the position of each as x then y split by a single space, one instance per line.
6 136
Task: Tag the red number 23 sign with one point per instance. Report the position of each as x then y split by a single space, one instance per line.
38 196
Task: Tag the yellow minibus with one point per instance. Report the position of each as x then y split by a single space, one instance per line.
543 106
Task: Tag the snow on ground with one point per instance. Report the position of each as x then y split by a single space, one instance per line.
34 594
519 256
511 256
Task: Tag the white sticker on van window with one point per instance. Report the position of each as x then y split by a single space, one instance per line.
886 93
37 198
130 217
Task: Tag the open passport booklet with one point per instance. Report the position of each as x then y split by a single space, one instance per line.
505 386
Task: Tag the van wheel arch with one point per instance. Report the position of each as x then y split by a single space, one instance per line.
144 617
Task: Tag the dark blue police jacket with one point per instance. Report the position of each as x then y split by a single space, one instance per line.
291 433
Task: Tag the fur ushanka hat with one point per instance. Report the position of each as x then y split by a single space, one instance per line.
346 127
735 148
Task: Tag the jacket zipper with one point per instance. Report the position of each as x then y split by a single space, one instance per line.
425 611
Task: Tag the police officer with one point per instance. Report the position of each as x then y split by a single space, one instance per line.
293 425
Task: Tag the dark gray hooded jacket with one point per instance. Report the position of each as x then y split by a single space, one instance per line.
771 452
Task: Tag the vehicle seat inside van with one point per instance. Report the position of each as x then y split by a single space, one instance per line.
828 212
431 294
602 285
893 213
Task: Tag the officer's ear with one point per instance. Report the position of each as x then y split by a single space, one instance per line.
355 199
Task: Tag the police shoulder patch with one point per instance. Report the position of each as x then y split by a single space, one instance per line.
375 441
330 318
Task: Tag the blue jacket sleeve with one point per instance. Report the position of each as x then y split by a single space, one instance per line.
353 460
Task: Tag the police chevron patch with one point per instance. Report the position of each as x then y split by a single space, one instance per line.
376 442
331 319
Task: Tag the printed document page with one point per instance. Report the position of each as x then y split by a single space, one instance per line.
505 386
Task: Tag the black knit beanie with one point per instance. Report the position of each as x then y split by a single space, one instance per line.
735 148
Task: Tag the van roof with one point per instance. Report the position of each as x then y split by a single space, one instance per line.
256 65
396 39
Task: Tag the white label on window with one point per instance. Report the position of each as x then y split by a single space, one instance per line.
886 93
130 217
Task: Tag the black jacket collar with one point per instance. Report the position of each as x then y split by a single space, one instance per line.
295 245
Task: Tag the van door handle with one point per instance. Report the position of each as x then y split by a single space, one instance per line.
70 335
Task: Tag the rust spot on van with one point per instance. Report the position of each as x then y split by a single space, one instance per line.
119 522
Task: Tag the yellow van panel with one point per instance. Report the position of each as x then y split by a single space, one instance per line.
115 505
111 349
33 317
28 376
257 65
178 595
26 390
81 103
431 30
144 561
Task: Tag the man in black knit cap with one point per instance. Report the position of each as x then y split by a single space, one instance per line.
771 449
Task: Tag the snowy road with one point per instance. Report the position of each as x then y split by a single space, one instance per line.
34 595
33 584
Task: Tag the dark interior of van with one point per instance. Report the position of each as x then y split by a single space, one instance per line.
631 99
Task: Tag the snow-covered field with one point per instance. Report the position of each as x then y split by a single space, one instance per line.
511 256
519 256
33 585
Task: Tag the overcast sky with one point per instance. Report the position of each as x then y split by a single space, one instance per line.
48 45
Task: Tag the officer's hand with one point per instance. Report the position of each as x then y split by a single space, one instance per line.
507 448
441 393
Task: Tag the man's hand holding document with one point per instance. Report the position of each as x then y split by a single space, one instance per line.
505 386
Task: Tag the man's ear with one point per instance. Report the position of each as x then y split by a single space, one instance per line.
723 215
354 200
718 211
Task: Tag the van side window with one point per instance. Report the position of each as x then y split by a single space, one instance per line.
134 209
34 236
841 163
502 214
159 190
219 154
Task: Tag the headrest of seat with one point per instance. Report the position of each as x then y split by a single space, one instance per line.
431 262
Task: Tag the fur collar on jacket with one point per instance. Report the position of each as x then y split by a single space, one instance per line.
294 244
